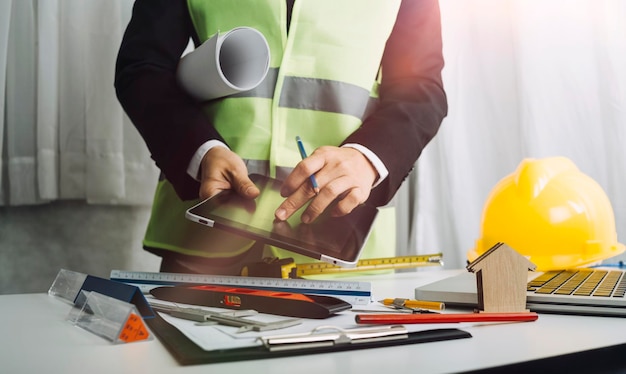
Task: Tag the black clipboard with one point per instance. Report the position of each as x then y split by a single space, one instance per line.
187 352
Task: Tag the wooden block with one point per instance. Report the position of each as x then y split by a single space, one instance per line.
501 277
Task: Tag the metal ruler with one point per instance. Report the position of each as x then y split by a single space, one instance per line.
400 262
353 292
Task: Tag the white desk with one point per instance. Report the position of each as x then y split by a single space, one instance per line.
35 338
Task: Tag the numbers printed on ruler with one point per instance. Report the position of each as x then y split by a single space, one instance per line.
356 293
400 262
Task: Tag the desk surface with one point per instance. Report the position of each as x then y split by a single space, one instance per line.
36 338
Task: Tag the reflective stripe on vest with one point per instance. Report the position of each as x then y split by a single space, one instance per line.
316 94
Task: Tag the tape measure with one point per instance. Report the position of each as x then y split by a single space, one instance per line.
353 292
401 262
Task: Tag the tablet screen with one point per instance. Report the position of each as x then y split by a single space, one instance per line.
337 240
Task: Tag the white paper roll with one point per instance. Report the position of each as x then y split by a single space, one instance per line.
226 64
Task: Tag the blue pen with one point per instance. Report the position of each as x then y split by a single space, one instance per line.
303 155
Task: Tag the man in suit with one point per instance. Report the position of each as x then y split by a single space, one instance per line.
326 57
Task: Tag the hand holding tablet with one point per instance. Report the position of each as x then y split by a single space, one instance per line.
337 240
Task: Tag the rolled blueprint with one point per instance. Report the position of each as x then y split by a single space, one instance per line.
225 64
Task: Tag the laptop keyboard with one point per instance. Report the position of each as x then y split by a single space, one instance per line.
580 282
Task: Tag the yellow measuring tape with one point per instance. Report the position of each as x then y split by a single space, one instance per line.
401 262
287 268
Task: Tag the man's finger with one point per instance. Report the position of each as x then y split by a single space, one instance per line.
294 202
245 187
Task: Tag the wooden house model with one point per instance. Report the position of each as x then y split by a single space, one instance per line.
501 278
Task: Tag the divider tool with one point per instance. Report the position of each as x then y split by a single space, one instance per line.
206 317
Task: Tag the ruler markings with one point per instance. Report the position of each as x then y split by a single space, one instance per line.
388 263
350 291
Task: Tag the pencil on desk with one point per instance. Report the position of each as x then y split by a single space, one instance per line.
421 304
304 155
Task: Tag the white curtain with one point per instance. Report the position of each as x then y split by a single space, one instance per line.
64 134
524 78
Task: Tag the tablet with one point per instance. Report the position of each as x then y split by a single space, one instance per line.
337 240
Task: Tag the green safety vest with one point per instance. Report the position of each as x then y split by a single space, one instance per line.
307 92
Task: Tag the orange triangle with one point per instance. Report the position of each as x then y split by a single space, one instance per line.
134 329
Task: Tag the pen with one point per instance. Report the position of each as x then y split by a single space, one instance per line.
444 318
406 303
303 155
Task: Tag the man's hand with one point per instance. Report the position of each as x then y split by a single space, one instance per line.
222 169
343 173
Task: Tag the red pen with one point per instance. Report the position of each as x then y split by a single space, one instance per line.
444 318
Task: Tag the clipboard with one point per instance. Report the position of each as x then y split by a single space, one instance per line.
187 352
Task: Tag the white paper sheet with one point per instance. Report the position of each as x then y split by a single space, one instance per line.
215 337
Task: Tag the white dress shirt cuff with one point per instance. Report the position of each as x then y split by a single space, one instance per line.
194 165
376 162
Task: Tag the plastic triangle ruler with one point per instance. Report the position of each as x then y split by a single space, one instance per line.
353 292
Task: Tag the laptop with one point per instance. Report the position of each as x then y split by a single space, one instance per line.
584 291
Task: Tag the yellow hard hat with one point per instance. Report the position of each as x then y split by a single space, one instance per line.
551 212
